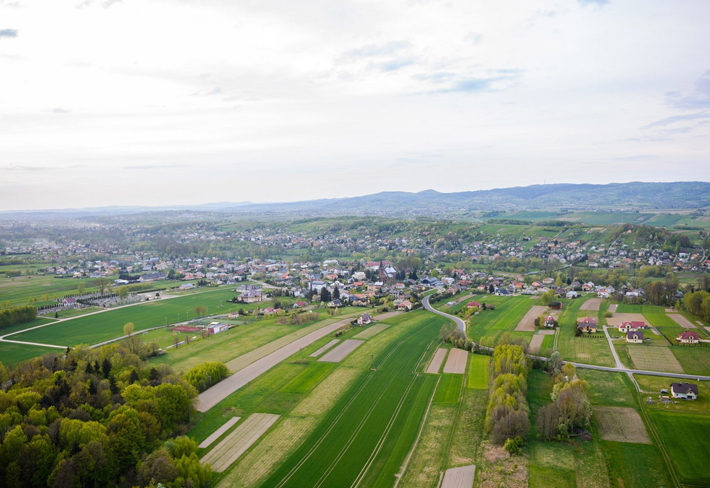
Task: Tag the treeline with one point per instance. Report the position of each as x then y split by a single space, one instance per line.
698 303
570 410
17 315
507 414
96 418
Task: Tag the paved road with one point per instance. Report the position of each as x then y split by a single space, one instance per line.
460 323
618 362
619 368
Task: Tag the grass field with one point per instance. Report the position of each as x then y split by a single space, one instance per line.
478 371
370 430
11 353
693 359
103 326
654 358
608 389
591 350
632 465
309 378
687 438
621 424
490 324
449 389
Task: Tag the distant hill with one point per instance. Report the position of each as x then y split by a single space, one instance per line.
576 197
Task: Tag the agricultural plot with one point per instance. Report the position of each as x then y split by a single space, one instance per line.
456 362
218 433
366 435
536 343
591 304
613 307
435 364
590 350
371 331
682 321
654 359
621 424
618 318
478 372
693 359
687 438
210 397
448 390
241 439
11 353
527 323
490 324
324 348
609 389
459 477
551 465
341 351
633 465
308 378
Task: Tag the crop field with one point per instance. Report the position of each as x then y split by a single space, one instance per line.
682 321
341 351
435 364
324 348
489 324
238 441
24 326
219 432
478 372
103 326
372 331
12 353
456 362
693 359
687 438
632 465
459 477
591 305
536 343
654 358
527 323
448 390
621 424
370 430
309 378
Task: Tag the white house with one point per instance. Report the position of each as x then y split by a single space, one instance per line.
686 391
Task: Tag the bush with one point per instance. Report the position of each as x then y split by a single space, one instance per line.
608 314
205 375
513 445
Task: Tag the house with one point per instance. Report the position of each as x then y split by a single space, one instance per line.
550 321
364 319
187 286
632 326
252 294
572 294
473 304
688 337
587 325
556 305
405 305
686 391
216 328
299 304
69 302
634 337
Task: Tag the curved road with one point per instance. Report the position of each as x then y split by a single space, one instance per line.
618 369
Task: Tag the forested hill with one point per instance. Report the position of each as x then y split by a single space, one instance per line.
635 196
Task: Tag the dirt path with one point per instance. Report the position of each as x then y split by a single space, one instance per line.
527 323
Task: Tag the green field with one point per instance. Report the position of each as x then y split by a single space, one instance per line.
632 465
608 389
590 350
693 359
370 430
449 389
490 324
11 353
107 325
687 438
478 371
309 378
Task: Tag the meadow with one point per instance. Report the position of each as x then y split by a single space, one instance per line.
687 438
449 389
590 350
478 371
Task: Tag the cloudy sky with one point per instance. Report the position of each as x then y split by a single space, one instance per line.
144 102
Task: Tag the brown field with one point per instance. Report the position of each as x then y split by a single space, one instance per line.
324 348
546 332
435 364
591 304
341 351
612 308
218 433
527 323
456 362
459 477
371 331
212 396
654 359
682 321
241 439
618 318
621 424
536 342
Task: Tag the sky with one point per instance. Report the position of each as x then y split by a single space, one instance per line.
145 102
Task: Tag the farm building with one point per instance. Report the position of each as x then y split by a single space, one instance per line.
632 326
688 337
364 319
587 325
687 391
634 337
216 328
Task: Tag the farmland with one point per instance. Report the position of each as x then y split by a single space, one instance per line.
448 389
478 372
591 350
687 437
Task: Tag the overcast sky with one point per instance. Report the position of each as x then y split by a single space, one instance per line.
143 102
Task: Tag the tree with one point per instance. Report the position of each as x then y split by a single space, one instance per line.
128 329
324 295
122 292
102 284
336 293
81 288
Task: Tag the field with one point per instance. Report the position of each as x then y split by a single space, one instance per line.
448 390
687 438
693 359
591 305
324 348
371 331
11 353
456 362
435 364
368 433
238 441
219 432
591 350
682 321
341 351
490 324
654 358
478 372
459 477
621 424
308 379
106 325
527 323
536 343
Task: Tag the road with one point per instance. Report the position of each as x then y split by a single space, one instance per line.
460 323
619 368
619 365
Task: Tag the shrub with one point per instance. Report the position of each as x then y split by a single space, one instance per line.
205 375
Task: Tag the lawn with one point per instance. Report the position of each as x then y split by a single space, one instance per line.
652 386
693 359
448 390
107 325
687 438
478 371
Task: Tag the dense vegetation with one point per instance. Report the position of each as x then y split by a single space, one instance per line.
96 417
17 315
